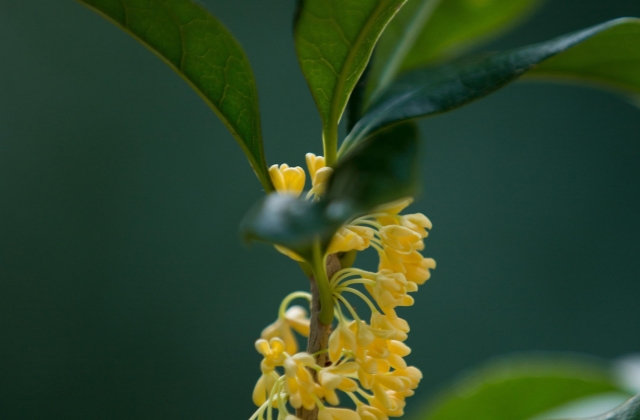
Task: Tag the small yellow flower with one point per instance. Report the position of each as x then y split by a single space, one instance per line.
335 377
413 265
367 412
273 352
397 351
299 383
417 222
296 318
400 238
342 338
287 180
320 173
389 326
391 289
389 402
349 238
263 388
337 414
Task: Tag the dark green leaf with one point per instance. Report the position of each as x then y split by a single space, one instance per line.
519 388
334 40
610 59
439 89
289 221
380 170
201 50
426 30
627 411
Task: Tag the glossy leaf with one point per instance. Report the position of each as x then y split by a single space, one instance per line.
380 170
424 31
627 411
201 50
519 388
439 89
334 40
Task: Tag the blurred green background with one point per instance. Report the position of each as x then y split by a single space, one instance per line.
126 293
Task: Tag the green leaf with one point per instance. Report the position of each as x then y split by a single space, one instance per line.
334 40
289 221
380 170
424 31
610 59
434 90
518 388
627 411
200 49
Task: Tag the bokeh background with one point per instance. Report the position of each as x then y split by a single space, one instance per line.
125 291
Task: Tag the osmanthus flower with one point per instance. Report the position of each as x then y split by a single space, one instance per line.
365 356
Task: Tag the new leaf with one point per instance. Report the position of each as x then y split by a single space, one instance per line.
334 40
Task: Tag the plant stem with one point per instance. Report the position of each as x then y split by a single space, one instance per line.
319 333
330 144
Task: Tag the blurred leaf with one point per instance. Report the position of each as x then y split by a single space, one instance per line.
457 25
380 170
518 388
334 40
611 59
430 91
201 50
289 221
426 30
627 411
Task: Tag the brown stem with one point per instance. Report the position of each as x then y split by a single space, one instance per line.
319 333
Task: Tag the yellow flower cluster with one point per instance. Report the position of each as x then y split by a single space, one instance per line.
367 358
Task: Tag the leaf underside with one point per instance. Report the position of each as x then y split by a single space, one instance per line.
201 50
607 54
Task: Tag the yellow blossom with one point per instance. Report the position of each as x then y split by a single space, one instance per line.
417 222
367 412
319 172
342 338
299 383
287 180
273 353
337 414
400 238
397 351
335 377
390 289
296 318
350 238
389 402
389 326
